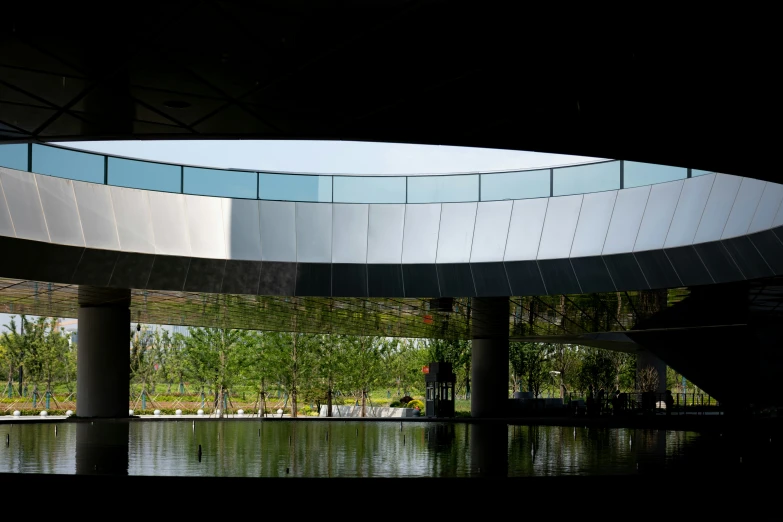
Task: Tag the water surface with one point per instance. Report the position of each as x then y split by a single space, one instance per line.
349 449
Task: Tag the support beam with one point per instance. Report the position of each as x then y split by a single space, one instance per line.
103 352
489 361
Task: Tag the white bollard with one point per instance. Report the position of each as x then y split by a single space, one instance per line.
43 413
17 413
280 411
200 413
156 412
69 413
178 412
217 413
130 413
240 413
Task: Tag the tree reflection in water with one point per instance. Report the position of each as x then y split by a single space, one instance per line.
346 448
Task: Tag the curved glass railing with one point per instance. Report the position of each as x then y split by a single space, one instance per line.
79 165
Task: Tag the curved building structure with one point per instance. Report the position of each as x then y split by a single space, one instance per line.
115 230
566 230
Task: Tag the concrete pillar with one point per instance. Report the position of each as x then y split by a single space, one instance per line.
103 352
489 360
646 358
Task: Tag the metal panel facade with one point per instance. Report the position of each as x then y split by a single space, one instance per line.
593 223
60 211
455 238
349 233
524 231
420 237
96 213
559 226
384 234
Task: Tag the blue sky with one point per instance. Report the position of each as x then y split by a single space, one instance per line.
343 157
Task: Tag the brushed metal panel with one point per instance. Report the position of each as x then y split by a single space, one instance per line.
457 221
744 208
690 207
524 230
278 230
562 215
96 213
384 234
626 220
593 224
21 195
59 205
349 233
716 212
778 221
658 215
169 224
314 232
134 224
204 217
420 236
491 232
241 228
768 207
6 225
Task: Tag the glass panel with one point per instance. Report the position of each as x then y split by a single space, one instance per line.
638 174
293 187
69 164
695 172
379 189
14 156
582 179
225 183
515 185
443 189
144 175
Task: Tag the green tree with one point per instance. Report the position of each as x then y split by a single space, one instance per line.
529 362
330 365
13 343
217 356
45 358
605 369
564 359
142 362
364 355
454 351
292 356
262 364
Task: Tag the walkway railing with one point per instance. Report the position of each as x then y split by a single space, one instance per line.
119 171
644 403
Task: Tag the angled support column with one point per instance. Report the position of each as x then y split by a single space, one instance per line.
489 364
103 352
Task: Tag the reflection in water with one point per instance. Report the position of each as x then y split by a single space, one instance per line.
102 448
255 448
489 449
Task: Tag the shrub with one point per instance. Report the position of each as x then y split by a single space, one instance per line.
415 403
406 399
396 404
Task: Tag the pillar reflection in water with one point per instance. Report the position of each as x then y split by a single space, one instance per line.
650 446
489 449
102 448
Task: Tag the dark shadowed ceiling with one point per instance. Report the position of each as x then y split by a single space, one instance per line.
647 86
